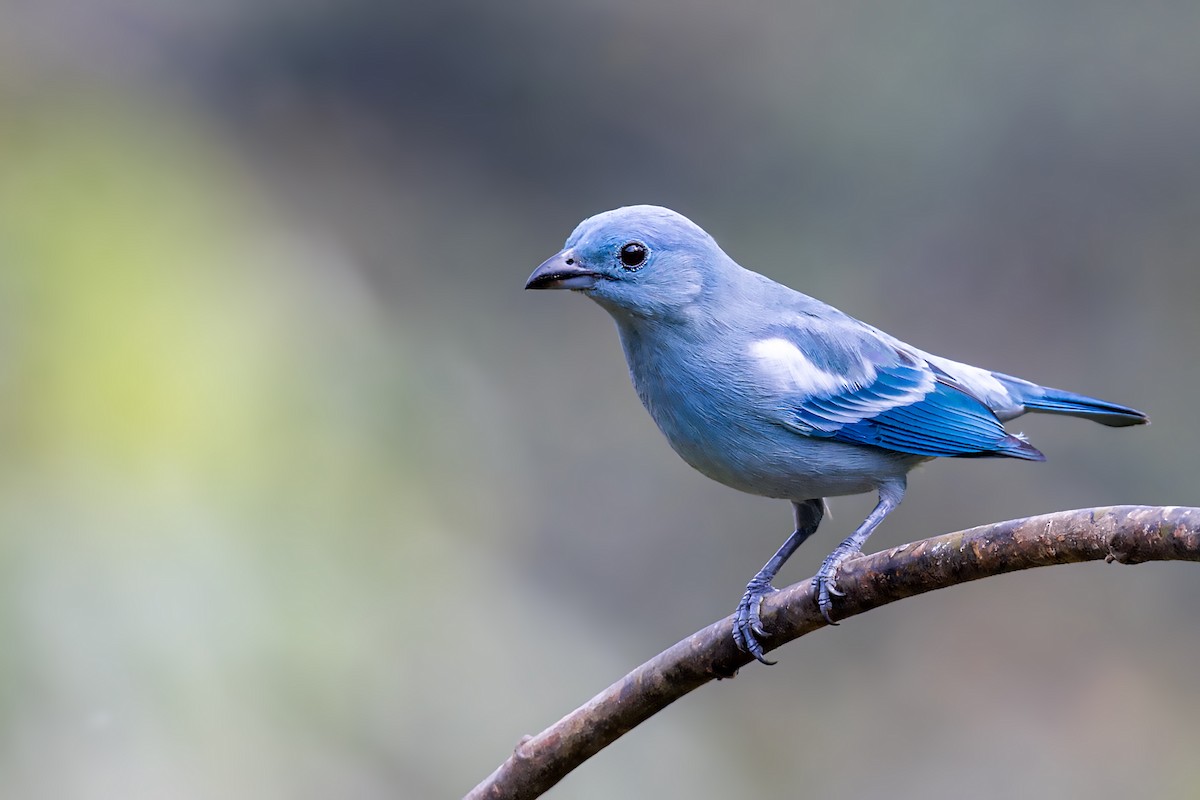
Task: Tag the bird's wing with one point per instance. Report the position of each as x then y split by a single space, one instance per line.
842 381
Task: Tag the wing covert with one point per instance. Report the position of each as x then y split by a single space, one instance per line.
884 397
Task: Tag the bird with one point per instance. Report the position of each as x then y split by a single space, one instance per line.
777 394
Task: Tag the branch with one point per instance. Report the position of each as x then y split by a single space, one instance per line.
1128 534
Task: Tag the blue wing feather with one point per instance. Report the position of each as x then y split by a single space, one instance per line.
942 421
841 380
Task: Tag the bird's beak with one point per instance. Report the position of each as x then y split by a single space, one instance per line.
562 271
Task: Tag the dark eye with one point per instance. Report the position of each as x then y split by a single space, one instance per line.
633 255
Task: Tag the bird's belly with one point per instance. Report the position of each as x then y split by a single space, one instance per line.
776 462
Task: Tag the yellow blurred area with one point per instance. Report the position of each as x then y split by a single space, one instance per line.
195 495
153 331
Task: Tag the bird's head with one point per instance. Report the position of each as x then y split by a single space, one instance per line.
639 261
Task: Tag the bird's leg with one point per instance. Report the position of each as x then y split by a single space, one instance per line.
747 625
890 495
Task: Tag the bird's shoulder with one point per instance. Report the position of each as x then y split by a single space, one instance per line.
804 346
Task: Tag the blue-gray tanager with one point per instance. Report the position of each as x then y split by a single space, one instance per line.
775 393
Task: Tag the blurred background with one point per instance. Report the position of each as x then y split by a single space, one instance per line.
301 496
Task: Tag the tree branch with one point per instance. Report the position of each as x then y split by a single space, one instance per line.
1128 534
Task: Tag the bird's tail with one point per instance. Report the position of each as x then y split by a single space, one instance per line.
1056 401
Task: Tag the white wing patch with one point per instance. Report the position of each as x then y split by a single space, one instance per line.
978 381
825 401
793 371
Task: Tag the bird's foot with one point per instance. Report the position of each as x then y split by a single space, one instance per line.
747 624
825 580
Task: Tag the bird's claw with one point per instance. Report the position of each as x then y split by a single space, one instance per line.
825 582
747 622
825 588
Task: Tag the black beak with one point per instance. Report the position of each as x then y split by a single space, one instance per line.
562 271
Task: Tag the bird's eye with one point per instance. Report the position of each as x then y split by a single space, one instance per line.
633 255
